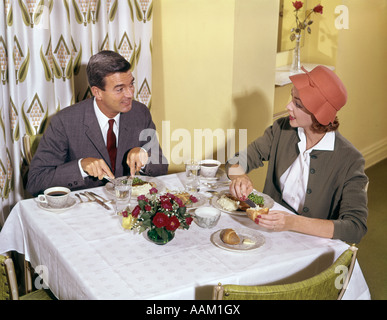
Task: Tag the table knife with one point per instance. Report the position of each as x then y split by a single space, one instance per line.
99 201
250 203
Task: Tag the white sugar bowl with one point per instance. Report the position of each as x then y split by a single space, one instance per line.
206 217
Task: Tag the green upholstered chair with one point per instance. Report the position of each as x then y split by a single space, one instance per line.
30 145
320 287
9 287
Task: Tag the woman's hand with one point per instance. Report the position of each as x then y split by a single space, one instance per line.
275 220
241 186
283 221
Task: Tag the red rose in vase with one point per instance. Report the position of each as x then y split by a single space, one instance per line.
173 224
297 5
160 220
318 9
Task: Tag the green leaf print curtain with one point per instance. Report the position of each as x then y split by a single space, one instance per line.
44 49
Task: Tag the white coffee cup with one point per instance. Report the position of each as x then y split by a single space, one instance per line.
206 217
55 197
209 168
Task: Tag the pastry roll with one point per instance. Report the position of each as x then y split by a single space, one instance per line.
229 236
252 213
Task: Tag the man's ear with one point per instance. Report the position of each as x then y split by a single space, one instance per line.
96 92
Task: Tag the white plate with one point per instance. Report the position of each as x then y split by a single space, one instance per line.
268 202
243 233
71 203
109 187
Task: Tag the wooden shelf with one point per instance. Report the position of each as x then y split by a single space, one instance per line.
282 73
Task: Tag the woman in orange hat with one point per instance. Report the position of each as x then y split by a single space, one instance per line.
312 169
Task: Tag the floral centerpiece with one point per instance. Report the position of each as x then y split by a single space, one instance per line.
160 215
301 25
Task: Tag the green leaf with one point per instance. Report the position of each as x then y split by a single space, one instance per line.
138 11
66 5
69 69
77 62
182 210
162 233
113 11
97 11
16 133
150 12
24 67
46 65
10 16
142 204
50 5
56 69
25 15
39 12
44 123
77 12
27 125
2 125
131 9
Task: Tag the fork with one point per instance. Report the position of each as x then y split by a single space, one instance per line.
112 201
87 196
79 197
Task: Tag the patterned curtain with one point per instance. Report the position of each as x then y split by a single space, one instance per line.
44 49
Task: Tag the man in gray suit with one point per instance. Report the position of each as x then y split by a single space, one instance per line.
73 151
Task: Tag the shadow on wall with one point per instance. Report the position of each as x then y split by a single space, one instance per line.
252 112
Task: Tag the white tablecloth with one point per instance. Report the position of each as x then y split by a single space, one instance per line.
86 254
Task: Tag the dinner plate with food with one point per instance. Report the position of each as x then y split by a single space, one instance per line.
141 185
228 203
191 200
238 239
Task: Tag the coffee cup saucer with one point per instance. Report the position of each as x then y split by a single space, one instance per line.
219 174
70 203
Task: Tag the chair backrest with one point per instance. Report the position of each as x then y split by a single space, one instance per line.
325 286
30 145
8 283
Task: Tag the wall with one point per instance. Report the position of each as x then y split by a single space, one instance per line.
358 55
361 63
213 65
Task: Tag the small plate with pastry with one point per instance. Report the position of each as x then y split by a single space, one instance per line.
140 186
228 203
238 239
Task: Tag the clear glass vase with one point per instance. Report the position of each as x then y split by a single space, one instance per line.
157 239
296 64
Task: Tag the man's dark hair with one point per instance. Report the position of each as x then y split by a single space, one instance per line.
103 64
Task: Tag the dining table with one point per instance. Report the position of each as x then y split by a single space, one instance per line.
83 252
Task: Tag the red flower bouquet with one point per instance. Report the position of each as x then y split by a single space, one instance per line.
161 215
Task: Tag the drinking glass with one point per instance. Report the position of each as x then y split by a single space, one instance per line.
123 192
192 183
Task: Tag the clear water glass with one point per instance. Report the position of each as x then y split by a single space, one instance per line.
123 193
192 183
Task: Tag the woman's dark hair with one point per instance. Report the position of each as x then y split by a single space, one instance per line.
320 128
102 64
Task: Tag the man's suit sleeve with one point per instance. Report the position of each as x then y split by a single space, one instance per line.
50 166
